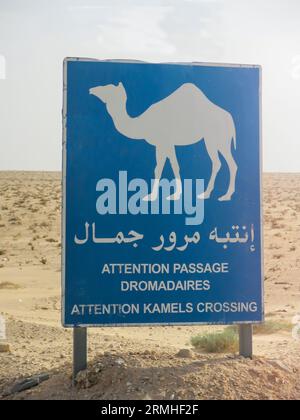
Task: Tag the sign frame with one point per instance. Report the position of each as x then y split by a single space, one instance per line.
63 214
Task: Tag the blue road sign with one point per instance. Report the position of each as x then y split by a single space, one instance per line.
162 194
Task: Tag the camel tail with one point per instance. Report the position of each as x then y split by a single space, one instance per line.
234 139
233 133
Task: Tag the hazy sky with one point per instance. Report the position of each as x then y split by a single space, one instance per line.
35 36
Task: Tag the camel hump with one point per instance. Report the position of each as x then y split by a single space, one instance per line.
192 90
190 86
186 96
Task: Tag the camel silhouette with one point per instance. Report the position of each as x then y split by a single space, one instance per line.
184 117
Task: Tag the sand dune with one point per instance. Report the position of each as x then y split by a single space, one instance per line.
136 362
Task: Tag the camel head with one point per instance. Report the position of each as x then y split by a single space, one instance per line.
109 94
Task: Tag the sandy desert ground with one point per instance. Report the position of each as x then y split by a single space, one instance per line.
136 363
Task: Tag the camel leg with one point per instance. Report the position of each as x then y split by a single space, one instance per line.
232 170
176 170
160 163
216 165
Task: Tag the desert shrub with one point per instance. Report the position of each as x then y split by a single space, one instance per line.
8 285
217 342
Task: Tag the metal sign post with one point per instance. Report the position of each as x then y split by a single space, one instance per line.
246 340
79 350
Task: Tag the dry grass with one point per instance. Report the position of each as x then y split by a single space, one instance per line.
227 341
268 327
5 285
271 327
218 342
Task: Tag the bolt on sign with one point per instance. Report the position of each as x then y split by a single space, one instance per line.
161 193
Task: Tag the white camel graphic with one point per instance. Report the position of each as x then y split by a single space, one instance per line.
183 118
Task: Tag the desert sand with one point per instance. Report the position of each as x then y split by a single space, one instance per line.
136 363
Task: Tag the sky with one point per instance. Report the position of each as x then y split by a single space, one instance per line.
36 35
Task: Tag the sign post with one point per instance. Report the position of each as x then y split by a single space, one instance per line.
79 350
162 219
246 340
